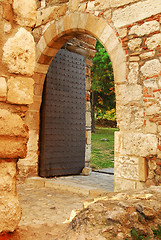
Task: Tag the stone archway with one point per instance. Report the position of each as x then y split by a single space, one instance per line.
59 32
52 41
130 32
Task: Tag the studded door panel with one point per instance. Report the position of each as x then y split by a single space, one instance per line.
62 135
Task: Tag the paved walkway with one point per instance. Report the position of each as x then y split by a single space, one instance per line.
99 179
102 180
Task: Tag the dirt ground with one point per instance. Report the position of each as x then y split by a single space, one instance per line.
44 212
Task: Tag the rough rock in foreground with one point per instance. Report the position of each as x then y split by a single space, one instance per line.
114 215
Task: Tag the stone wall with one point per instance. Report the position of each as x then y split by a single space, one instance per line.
31 33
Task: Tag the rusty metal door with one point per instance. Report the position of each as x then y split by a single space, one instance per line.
62 134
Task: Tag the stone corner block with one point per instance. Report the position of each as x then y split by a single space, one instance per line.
142 169
139 144
127 167
20 90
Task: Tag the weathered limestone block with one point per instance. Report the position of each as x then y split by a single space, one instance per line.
127 167
118 3
88 83
159 82
32 144
146 28
118 141
7 177
151 68
7 27
26 169
150 110
150 127
10 213
82 7
1 12
60 26
73 5
20 90
147 55
3 88
107 14
135 12
142 171
128 93
134 73
19 53
32 159
130 118
136 144
90 6
122 184
123 118
108 36
10 210
7 12
12 125
42 46
122 32
154 41
134 58
151 83
25 12
29 165
50 13
88 153
88 137
134 44
102 4
13 135
32 118
13 148
98 5
88 106
88 119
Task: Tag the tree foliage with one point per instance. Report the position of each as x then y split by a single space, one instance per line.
102 81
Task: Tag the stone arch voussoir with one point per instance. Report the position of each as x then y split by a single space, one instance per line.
59 32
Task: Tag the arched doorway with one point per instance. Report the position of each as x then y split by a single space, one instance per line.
49 44
72 25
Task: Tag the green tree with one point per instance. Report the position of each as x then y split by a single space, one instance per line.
103 91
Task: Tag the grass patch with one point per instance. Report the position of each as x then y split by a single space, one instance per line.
102 155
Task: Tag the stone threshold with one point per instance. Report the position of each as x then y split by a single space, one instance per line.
63 185
109 171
